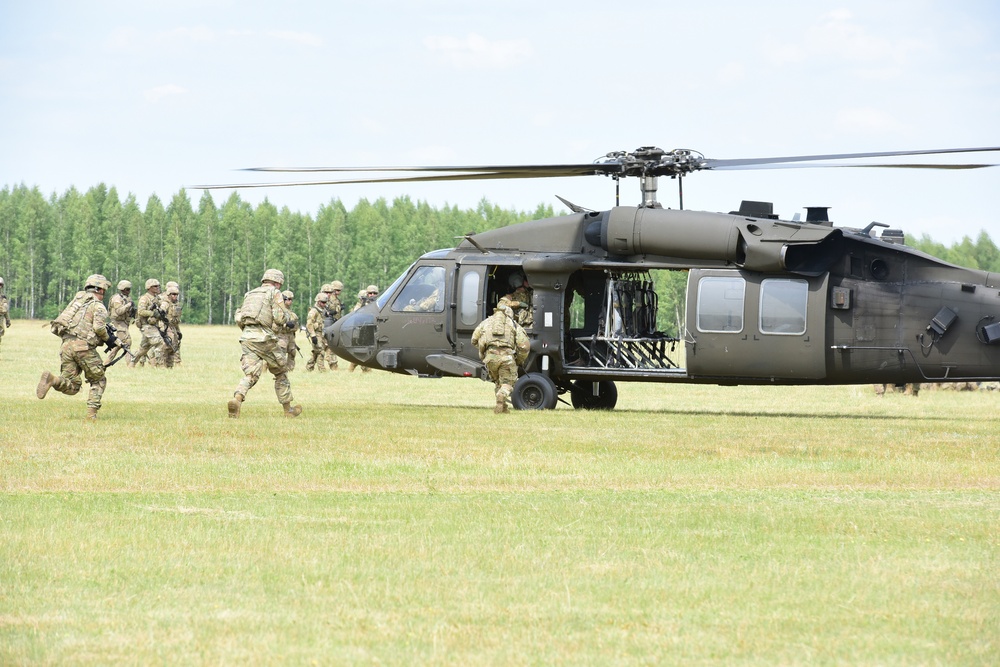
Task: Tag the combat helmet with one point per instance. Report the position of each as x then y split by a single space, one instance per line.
274 275
173 288
322 297
516 280
97 281
288 294
151 283
336 286
327 287
372 288
362 294
124 285
173 283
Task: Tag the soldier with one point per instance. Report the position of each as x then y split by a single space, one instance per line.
286 336
520 299
174 320
334 311
503 346
314 330
172 315
261 316
4 312
147 319
121 312
82 327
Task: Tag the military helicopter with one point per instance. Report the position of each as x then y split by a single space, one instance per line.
768 301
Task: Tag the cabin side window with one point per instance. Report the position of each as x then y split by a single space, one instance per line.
720 304
423 292
468 305
783 306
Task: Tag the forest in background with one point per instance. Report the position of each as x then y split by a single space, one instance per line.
49 245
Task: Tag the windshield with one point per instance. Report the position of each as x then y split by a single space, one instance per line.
391 289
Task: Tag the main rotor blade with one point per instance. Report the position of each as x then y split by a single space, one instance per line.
711 163
914 165
497 171
401 179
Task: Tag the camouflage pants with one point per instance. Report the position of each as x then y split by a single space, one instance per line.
151 346
175 336
290 349
258 355
316 359
502 368
77 357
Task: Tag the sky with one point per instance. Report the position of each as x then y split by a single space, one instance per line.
151 97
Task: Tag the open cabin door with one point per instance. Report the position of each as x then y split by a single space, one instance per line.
749 325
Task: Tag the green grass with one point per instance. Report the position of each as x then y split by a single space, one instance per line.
399 521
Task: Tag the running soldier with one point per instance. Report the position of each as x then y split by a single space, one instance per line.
286 336
334 311
147 319
82 325
172 317
121 312
503 346
174 320
4 312
261 316
314 330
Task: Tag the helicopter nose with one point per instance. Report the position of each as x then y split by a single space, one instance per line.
353 337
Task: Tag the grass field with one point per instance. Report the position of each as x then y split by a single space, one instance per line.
399 521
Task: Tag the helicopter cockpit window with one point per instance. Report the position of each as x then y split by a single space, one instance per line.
423 292
783 306
720 304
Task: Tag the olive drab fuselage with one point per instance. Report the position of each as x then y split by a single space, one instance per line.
766 301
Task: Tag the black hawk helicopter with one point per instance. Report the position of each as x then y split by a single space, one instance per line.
768 301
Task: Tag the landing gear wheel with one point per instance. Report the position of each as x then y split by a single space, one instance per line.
534 391
582 395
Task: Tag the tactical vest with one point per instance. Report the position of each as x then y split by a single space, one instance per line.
499 332
78 317
256 308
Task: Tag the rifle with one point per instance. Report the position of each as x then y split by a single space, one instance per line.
115 343
161 317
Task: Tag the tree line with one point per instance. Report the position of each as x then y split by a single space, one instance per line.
49 245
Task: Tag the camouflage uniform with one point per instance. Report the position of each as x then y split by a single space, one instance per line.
314 330
503 346
121 311
520 300
334 311
286 335
174 320
172 314
4 312
262 314
146 319
82 327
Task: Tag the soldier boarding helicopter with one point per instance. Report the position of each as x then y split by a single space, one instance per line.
768 301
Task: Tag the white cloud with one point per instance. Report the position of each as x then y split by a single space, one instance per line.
475 51
168 90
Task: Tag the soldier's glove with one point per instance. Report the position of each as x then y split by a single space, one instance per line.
179 335
290 326
132 311
315 340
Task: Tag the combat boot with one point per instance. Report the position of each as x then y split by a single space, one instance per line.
47 382
292 410
91 414
234 406
501 406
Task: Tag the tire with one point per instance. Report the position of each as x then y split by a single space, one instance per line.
534 391
582 395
